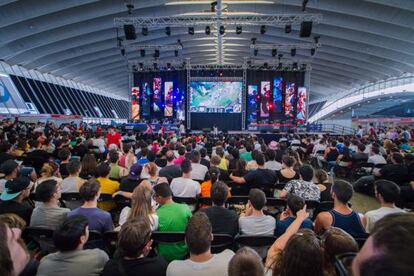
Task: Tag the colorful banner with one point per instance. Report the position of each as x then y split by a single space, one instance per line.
135 103
146 93
290 100
156 95
251 103
277 94
301 107
168 98
265 100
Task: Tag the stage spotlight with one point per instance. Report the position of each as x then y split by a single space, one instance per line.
256 51
222 30
142 53
304 3
156 53
316 39
208 30
144 31
262 29
191 30
295 66
176 53
123 52
293 52
129 31
254 41
313 51
288 28
274 52
168 31
239 30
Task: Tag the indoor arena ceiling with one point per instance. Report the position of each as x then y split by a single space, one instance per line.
362 41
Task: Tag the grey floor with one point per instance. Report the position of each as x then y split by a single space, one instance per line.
363 203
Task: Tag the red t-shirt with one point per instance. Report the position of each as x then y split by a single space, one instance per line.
113 139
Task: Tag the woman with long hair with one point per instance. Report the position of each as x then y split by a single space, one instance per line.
49 171
153 179
287 172
141 206
89 167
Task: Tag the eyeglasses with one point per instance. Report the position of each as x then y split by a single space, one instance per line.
343 263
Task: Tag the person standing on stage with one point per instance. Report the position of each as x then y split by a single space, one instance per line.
215 130
182 129
113 138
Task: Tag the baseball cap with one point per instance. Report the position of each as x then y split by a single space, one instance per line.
135 172
26 171
14 188
8 166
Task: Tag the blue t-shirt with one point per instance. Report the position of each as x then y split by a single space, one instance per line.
282 225
98 219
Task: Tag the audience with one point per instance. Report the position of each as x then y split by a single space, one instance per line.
223 221
134 245
172 217
271 163
10 168
341 216
198 237
71 259
152 172
129 183
99 220
12 199
48 214
107 185
303 187
321 180
387 193
287 172
198 171
184 186
72 183
64 157
246 262
170 171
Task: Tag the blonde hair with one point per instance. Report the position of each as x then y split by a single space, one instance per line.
141 204
152 169
49 169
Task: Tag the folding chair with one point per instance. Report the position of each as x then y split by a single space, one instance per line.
221 242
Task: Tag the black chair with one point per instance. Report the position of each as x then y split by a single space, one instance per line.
41 237
221 242
191 201
168 237
279 186
361 241
95 240
71 200
105 198
254 241
240 200
122 201
278 203
205 201
323 206
237 189
111 239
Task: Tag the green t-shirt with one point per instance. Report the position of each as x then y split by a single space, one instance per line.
173 218
246 156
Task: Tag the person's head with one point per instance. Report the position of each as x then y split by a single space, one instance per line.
186 166
288 161
302 256
13 256
203 152
270 155
113 156
163 193
260 159
335 242
89 163
219 193
104 169
48 191
342 191
389 249
361 147
5 147
235 153
198 234
397 158
141 203
181 151
246 262
195 157
375 150
64 154
214 174
72 234
215 160
170 156
17 188
151 168
386 191
295 203
151 156
134 239
321 176
135 172
89 191
257 199
49 169
10 168
144 152
220 151
306 172
74 167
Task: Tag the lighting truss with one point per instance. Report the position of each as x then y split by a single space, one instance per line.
207 79
225 19
154 47
283 46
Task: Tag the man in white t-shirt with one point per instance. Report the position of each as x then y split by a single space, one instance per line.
202 262
198 171
387 193
375 157
184 186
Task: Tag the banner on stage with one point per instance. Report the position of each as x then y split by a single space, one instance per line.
135 103
168 98
265 99
290 100
156 95
301 107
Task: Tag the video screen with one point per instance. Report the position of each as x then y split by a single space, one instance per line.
168 98
251 103
156 95
290 100
146 94
265 99
215 97
301 107
277 95
135 103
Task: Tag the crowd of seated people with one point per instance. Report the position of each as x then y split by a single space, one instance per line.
79 182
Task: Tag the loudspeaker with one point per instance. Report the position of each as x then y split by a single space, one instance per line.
130 32
305 29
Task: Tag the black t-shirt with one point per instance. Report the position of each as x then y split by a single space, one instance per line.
283 179
332 155
63 170
261 178
326 194
5 156
22 210
394 172
128 185
223 221
205 162
156 266
170 172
